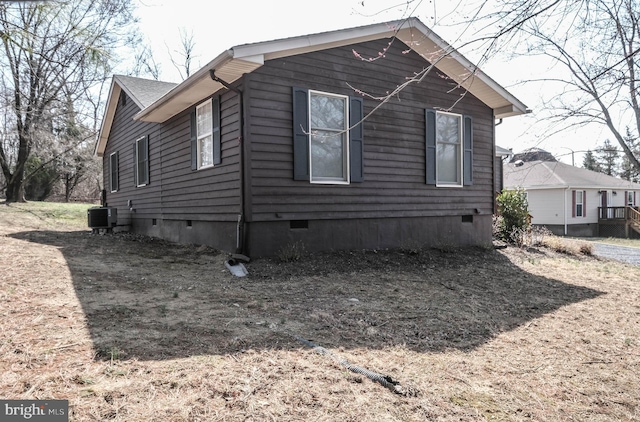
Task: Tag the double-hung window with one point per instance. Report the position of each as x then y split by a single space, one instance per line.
205 134
204 127
113 171
329 137
142 161
448 149
579 203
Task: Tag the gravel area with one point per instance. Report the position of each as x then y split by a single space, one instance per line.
621 253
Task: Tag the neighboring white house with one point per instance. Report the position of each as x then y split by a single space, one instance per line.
569 200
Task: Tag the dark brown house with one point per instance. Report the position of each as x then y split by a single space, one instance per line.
266 145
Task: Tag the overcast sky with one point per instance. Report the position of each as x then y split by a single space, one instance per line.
219 25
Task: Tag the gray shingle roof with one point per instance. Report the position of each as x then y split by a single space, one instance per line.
545 174
143 91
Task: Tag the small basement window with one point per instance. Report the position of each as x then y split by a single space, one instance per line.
467 218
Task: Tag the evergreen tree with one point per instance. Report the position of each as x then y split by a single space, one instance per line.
608 157
590 162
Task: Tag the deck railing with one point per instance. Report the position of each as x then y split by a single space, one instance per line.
612 213
634 216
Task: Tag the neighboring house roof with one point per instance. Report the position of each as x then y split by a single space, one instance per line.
503 152
533 154
143 92
231 64
547 175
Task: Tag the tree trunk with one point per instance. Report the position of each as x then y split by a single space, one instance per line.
15 188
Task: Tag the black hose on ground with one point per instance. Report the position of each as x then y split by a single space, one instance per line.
384 380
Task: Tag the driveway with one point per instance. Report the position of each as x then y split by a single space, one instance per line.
621 253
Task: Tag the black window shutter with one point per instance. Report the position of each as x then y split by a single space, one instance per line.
300 134
135 164
217 146
467 140
113 163
356 145
147 168
430 125
194 141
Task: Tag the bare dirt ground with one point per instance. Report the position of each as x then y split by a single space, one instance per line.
129 328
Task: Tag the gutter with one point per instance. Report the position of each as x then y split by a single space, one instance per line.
222 59
242 224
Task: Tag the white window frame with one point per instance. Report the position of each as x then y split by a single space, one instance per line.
146 174
580 203
113 172
345 142
201 136
460 158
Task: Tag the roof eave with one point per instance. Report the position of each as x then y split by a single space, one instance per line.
199 86
233 63
457 67
109 113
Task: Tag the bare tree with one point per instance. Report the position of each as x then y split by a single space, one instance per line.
145 63
592 47
53 52
187 46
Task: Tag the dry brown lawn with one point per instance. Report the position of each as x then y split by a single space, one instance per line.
134 329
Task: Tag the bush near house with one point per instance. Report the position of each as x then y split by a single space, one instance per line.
513 216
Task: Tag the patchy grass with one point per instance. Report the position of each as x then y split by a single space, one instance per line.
46 214
129 328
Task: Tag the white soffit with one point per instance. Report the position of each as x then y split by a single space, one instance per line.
199 86
435 50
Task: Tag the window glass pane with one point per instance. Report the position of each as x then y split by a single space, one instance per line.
327 159
327 112
448 163
204 115
206 151
579 196
448 128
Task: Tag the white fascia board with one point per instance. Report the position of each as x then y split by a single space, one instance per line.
315 42
107 119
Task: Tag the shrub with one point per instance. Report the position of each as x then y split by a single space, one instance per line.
513 220
292 252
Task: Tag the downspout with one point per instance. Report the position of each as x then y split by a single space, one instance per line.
241 227
565 210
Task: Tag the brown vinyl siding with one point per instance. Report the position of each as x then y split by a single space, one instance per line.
394 139
209 194
125 131
175 191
